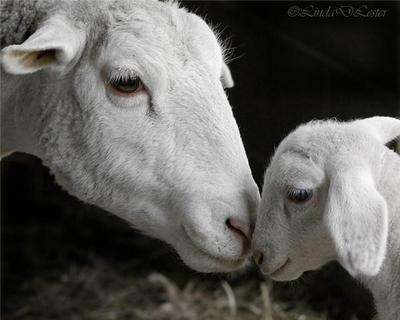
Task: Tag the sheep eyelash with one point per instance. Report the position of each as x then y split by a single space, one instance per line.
121 74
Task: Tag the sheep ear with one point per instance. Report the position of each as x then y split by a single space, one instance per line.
385 129
55 44
226 76
357 219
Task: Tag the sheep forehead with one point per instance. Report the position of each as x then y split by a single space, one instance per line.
147 17
175 31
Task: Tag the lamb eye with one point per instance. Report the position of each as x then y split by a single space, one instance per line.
300 195
128 85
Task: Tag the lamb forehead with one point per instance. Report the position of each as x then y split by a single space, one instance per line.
302 151
320 142
293 169
317 138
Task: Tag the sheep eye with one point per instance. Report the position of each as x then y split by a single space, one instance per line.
128 85
300 195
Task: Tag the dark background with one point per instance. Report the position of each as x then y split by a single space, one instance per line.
287 71
293 70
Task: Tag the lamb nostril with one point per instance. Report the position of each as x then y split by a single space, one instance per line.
238 226
259 258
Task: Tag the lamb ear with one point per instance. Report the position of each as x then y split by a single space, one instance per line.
226 76
56 43
385 129
357 219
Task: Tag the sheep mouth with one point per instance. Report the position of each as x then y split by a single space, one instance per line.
231 264
280 269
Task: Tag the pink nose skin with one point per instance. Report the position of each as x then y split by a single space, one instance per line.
242 229
238 226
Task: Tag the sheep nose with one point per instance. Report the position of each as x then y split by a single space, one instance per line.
241 229
258 257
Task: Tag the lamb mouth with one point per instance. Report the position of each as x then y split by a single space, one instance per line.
280 269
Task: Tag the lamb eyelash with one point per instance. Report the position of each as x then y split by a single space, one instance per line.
290 190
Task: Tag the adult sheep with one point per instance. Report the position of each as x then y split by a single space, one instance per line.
124 102
332 192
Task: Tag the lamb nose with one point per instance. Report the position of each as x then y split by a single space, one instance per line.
239 227
258 257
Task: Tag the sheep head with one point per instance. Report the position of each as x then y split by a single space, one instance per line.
131 115
320 200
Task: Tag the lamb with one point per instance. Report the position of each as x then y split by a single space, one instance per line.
332 192
124 101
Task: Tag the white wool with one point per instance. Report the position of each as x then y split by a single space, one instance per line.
168 159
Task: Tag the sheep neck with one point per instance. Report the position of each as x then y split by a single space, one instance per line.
20 113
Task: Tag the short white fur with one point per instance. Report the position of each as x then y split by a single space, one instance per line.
353 215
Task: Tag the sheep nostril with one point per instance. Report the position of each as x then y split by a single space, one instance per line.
258 257
238 226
